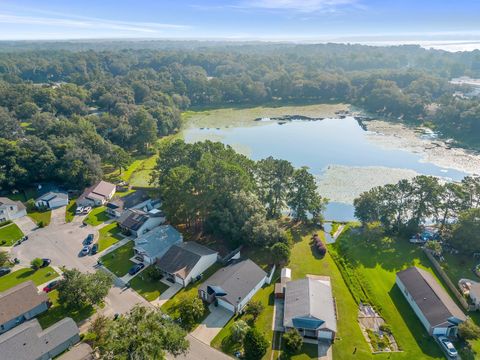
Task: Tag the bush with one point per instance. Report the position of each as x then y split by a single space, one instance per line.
293 341
386 328
154 273
280 253
468 330
30 205
254 345
36 263
238 331
41 224
191 310
254 308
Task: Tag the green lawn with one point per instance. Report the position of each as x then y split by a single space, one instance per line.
24 195
9 234
170 307
149 289
109 235
374 266
42 217
70 211
57 312
97 216
17 277
118 261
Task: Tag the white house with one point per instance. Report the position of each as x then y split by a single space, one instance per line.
138 222
11 210
431 303
154 244
186 261
52 200
472 289
233 286
97 194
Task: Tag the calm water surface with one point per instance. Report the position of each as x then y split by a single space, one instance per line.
317 144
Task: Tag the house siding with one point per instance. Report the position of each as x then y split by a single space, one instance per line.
247 298
24 317
149 225
11 212
203 264
61 347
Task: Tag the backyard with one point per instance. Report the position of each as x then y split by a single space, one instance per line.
118 261
97 216
109 235
9 234
39 277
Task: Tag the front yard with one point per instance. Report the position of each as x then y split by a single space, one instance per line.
70 211
109 235
97 216
118 261
148 288
41 218
39 277
9 234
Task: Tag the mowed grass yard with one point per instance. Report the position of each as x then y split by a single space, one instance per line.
41 217
39 277
70 211
97 216
109 235
9 234
375 264
118 261
149 289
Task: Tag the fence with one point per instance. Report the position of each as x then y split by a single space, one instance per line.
447 280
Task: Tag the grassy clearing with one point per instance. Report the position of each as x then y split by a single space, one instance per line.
147 288
118 261
57 312
109 235
39 277
24 195
374 266
70 211
41 217
142 174
9 234
171 306
97 216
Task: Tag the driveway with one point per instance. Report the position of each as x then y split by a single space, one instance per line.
167 294
324 350
26 224
58 216
278 315
200 351
213 323
60 243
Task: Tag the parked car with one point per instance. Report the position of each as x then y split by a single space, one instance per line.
94 249
79 210
136 268
51 286
86 210
89 239
4 271
46 262
448 347
85 250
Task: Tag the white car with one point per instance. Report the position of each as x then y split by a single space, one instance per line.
79 210
448 347
86 209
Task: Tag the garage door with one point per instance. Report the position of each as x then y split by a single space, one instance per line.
226 305
328 335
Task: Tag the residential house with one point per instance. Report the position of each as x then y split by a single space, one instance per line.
11 210
152 245
136 200
472 289
431 303
97 194
52 200
19 304
29 342
137 222
233 286
184 262
309 307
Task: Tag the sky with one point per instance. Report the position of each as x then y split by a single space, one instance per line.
277 20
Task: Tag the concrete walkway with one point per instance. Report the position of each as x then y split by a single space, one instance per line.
338 232
112 248
26 224
105 223
212 324
324 350
167 294
277 323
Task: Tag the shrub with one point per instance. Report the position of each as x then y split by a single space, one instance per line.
280 253
386 328
36 263
254 308
30 205
469 330
238 331
254 345
293 341
41 224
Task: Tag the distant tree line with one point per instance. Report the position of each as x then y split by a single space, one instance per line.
111 100
209 186
403 207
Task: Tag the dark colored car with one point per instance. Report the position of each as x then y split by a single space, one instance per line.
89 239
51 286
136 268
46 262
94 249
4 271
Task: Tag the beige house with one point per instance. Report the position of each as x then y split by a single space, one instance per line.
97 195
11 210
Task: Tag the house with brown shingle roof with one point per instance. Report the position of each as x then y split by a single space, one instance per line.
97 194
19 304
431 303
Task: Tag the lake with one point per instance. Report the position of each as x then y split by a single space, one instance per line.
339 152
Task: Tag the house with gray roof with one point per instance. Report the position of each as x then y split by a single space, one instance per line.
19 304
309 307
11 210
185 261
152 245
29 342
437 311
233 286
136 200
52 200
